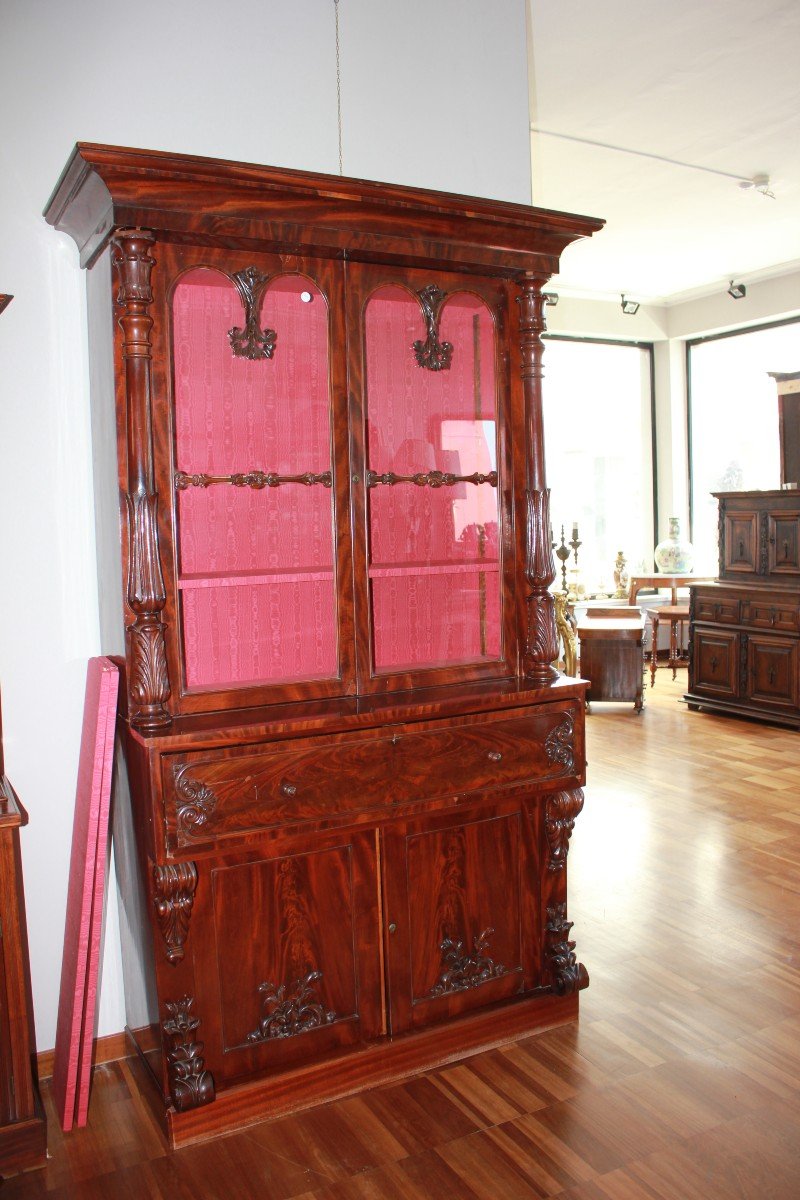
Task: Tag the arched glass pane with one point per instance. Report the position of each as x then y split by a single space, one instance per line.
434 562
256 562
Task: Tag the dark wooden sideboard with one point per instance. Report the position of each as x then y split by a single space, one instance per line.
354 772
744 649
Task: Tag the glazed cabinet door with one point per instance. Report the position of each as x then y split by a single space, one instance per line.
286 955
461 915
251 453
430 399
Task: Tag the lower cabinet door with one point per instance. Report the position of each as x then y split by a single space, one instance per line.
715 662
461 915
287 955
773 671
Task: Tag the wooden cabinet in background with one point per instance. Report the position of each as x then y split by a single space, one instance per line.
354 771
745 628
23 1130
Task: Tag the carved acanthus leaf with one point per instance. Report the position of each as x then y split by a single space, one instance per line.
568 974
190 1084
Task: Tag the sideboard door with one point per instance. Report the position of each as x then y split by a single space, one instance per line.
286 955
461 918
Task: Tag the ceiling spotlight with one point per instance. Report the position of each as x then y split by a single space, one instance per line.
550 298
630 307
737 290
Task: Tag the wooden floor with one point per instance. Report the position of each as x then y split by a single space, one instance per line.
680 1082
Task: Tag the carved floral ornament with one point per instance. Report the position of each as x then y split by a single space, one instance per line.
462 970
174 886
290 1009
250 341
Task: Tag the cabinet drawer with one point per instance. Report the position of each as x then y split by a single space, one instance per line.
211 796
771 614
723 611
492 752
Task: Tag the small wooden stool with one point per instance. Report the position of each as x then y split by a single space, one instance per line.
676 614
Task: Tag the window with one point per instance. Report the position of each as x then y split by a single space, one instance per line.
598 420
733 421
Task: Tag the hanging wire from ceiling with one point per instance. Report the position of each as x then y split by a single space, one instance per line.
759 182
338 87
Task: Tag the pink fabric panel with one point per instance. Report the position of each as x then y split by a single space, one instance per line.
234 416
84 916
420 420
436 620
259 633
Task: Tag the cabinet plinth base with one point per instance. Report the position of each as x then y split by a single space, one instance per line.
385 1062
23 1144
696 701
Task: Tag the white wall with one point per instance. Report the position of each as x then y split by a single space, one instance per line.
434 94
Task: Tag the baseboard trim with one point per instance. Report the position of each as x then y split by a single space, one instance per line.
106 1049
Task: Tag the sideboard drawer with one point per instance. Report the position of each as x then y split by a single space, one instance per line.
214 796
724 611
220 795
519 747
772 614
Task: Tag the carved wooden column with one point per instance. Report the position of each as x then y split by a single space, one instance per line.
148 678
541 647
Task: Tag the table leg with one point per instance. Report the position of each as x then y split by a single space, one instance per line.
653 647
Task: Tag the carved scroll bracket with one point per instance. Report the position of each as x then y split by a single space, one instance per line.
561 809
250 341
174 889
559 745
190 1084
432 354
195 802
568 974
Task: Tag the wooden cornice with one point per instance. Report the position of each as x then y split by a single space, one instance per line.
182 197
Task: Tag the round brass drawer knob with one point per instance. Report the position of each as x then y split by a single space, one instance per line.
288 789
392 928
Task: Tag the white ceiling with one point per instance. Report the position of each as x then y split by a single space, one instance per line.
715 85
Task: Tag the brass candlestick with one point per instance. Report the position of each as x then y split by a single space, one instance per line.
562 554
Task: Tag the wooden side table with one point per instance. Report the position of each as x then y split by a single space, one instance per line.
673 582
612 658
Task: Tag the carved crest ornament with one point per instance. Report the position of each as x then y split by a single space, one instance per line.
461 970
290 1009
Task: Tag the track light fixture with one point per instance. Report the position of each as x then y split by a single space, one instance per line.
550 299
737 290
630 307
